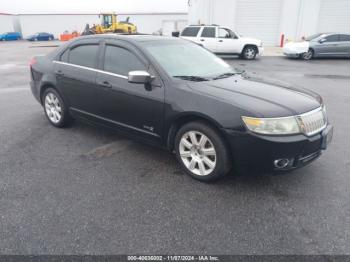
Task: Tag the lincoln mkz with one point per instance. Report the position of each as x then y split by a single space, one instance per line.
176 94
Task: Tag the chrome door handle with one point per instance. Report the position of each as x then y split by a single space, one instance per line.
59 72
105 84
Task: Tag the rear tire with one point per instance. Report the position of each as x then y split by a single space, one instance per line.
201 152
55 109
249 52
307 55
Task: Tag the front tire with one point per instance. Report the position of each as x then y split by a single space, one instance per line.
202 152
249 52
307 55
55 109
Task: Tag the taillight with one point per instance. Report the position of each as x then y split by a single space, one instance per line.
32 61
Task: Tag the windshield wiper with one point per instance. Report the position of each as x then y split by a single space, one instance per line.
192 78
224 75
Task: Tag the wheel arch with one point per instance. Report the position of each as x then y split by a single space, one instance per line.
250 45
188 117
313 51
47 85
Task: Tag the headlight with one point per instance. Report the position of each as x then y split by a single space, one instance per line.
272 126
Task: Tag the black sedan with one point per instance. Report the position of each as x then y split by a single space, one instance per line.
178 95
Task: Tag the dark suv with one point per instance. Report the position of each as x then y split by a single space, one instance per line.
178 95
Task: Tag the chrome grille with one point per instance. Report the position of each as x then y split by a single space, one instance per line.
313 122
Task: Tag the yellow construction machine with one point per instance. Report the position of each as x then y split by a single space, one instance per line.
110 24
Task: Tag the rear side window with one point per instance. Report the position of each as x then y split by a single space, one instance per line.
345 38
83 55
121 61
332 38
190 31
208 32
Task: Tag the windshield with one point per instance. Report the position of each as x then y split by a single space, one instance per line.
188 61
311 37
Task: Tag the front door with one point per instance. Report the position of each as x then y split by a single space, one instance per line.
136 108
228 42
328 47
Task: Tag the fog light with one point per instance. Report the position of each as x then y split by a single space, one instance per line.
281 163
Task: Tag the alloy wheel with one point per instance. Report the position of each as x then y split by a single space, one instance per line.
307 55
249 53
197 153
53 108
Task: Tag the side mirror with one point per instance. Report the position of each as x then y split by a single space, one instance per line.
322 40
140 77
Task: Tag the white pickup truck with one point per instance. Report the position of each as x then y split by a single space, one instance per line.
223 41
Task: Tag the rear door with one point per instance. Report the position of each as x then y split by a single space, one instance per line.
208 38
76 74
344 44
136 108
330 47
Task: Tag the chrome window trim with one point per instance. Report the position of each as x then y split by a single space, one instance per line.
91 69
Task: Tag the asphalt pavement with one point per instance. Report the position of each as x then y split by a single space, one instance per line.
87 190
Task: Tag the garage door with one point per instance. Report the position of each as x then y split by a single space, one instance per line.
334 16
259 19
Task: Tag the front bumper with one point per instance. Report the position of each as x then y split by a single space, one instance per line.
294 55
260 152
260 50
35 90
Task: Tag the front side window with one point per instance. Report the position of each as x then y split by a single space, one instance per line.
208 32
226 33
190 31
121 61
84 55
332 38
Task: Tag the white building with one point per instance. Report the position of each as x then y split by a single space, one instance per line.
56 24
269 19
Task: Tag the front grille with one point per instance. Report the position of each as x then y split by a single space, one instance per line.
313 122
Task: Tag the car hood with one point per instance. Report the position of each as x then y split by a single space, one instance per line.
298 46
261 97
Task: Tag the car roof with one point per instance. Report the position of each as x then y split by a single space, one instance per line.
201 25
134 38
